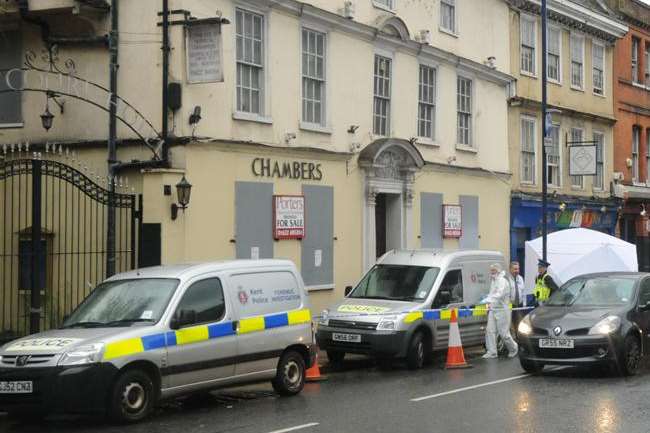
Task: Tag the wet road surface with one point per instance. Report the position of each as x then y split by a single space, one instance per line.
493 396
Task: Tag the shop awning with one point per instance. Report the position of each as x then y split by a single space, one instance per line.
627 192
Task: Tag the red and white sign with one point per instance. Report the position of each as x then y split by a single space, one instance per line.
288 216
452 221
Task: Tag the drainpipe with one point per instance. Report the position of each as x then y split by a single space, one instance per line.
112 135
165 81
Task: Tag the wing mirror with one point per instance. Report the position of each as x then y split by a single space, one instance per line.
348 290
443 298
183 318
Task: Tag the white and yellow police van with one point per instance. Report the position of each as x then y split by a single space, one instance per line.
162 332
402 306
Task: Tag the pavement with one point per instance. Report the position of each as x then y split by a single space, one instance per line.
359 397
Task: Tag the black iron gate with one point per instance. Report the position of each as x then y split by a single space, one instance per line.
53 244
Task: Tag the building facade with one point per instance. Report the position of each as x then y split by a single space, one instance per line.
580 40
632 130
379 113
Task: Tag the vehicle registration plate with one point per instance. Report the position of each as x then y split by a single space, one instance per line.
556 343
348 338
17 387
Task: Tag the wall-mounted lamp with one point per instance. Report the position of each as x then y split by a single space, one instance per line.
47 118
643 211
183 191
603 209
352 129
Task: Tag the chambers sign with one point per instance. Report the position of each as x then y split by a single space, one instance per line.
267 167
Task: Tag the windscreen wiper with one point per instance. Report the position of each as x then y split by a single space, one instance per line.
84 325
128 321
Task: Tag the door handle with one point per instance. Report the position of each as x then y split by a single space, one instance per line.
235 325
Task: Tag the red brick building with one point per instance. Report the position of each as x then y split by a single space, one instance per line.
632 129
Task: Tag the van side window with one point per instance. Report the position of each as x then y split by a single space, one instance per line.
206 299
263 293
452 284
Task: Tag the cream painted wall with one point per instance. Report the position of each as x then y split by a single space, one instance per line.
349 72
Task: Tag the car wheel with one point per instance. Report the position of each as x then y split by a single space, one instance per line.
290 376
335 356
629 364
132 398
531 366
415 354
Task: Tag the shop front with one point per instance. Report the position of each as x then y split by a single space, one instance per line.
563 212
634 221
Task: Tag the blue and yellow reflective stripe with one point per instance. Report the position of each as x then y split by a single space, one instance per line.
197 334
414 316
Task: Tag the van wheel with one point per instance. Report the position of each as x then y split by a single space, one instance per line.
290 377
415 355
335 356
132 398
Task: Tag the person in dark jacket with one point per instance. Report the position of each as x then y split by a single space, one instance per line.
544 284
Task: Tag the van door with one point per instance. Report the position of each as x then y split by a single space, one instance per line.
206 346
262 301
476 275
450 295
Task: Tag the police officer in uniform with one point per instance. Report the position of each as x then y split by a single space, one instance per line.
544 284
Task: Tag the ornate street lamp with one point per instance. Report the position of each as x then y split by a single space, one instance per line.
47 118
183 191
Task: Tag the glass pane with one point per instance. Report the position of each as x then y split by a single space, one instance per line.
256 101
258 28
245 99
248 25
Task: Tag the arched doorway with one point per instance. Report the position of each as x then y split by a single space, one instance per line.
390 166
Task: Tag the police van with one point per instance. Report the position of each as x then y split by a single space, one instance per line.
401 307
162 332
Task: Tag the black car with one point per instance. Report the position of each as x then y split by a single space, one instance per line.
592 319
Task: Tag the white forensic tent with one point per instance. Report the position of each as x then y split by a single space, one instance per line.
579 251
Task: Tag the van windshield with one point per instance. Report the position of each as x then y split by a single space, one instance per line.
396 282
124 303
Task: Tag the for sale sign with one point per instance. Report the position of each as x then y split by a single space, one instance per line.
288 216
452 217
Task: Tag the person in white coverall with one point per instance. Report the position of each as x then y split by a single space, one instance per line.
499 314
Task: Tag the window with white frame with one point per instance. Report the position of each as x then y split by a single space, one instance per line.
553 158
388 4
553 58
576 139
599 68
249 30
448 15
313 76
647 154
528 150
381 113
647 65
636 138
464 102
527 36
577 61
427 102
635 60
599 179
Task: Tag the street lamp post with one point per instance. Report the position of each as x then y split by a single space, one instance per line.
544 133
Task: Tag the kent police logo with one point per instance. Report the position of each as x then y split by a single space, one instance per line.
243 297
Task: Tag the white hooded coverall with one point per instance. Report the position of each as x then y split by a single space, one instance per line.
499 315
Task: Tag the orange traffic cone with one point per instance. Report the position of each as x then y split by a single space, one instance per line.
455 354
313 373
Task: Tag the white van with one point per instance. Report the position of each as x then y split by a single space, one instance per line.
401 307
161 332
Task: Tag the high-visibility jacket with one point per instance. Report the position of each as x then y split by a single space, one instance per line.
542 290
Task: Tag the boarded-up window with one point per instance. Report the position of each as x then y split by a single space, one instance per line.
431 220
318 245
254 220
10 58
470 239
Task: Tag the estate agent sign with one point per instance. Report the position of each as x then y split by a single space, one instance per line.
452 217
288 216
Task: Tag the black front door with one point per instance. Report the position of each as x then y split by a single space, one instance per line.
380 224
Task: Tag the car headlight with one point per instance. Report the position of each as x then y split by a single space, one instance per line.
606 326
525 327
387 323
324 318
83 355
